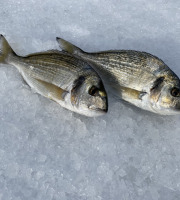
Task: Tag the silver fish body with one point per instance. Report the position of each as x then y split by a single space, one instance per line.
63 78
136 77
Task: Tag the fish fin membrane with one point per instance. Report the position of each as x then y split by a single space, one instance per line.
5 50
132 93
53 51
68 47
52 91
46 89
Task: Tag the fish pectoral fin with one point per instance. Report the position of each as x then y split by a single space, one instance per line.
132 93
46 89
50 90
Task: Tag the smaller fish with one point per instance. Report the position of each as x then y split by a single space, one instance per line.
63 78
136 77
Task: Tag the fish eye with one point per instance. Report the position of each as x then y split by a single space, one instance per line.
93 91
175 92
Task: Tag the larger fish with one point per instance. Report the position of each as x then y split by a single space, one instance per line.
63 78
137 77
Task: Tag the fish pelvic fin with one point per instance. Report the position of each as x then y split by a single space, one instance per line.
68 47
5 50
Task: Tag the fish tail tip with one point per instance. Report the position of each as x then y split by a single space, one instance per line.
68 47
2 36
57 38
5 49
61 41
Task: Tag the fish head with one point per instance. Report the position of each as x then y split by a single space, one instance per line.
89 96
165 95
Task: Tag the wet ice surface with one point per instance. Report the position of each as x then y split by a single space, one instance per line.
47 152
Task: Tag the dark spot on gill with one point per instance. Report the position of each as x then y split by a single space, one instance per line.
76 85
78 82
157 83
155 91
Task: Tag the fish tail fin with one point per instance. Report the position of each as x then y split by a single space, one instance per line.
68 47
5 50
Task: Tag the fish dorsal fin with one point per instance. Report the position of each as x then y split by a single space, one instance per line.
44 52
52 51
68 47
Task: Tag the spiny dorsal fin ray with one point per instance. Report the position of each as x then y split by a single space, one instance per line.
53 51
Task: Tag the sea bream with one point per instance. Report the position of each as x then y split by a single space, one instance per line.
63 78
136 77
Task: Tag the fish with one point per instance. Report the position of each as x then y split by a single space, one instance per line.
63 78
136 77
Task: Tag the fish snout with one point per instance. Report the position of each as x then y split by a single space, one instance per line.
100 104
104 104
104 100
